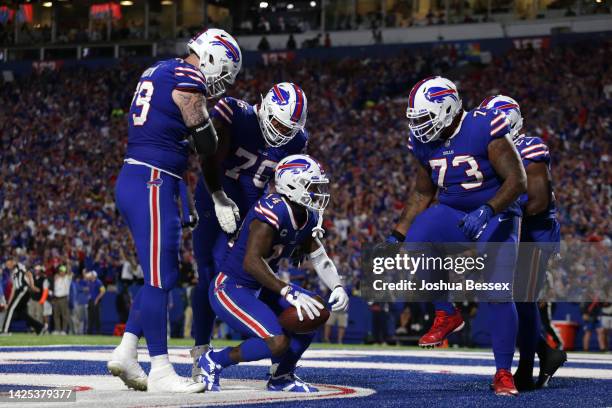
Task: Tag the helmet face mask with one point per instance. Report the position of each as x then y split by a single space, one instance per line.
433 105
282 113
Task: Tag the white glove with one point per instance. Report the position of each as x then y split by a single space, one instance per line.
339 299
227 211
301 300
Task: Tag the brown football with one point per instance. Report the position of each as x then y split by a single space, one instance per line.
289 320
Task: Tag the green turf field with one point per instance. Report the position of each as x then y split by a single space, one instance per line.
23 339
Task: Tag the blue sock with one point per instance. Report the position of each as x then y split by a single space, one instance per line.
297 346
253 349
222 357
134 324
448 307
528 335
503 324
203 315
154 320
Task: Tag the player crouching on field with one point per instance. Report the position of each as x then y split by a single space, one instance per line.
248 295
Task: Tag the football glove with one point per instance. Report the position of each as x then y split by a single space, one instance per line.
395 238
474 223
301 301
227 211
339 299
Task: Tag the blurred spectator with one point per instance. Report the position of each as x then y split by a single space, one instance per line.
263 45
39 295
327 41
96 292
338 320
81 302
291 44
380 320
591 316
61 308
123 302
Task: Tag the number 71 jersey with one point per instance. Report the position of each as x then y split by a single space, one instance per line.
157 133
460 166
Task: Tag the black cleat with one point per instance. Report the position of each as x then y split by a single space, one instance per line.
524 382
550 361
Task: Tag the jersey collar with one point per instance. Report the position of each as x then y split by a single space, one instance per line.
458 127
292 217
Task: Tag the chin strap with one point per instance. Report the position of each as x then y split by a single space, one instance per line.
318 231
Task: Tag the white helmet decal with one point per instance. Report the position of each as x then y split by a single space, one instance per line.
282 113
510 108
220 59
301 179
432 105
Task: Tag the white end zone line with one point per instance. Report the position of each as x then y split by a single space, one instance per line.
96 391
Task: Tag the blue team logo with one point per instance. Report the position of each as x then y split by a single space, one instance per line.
280 96
155 183
437 94
296 166
232 52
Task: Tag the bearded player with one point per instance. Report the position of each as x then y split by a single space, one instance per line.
469 161
252 140
168 112
540 227
248 295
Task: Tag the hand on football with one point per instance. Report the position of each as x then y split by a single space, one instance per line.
474 223
302 302
227 212
339 299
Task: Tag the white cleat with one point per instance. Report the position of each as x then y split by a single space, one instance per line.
196 371
165 379
126 367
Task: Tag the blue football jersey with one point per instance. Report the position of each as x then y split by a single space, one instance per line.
157 133
250 161
460 166
273 209
533 150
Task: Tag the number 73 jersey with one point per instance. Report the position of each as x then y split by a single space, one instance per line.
460 166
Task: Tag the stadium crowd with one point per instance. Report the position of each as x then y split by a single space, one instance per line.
63 136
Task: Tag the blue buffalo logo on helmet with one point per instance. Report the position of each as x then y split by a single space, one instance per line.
295 167
280 96
231 51
437 94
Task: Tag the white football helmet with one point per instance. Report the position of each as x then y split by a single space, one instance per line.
511 109
282 113
301 179
220 59
432 105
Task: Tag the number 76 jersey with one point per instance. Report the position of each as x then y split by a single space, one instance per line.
460 166
250 162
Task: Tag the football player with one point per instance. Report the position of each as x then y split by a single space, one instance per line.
168 112
248 295
469 161
540 226
252 139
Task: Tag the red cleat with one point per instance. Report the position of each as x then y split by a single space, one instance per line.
503 383
443 325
